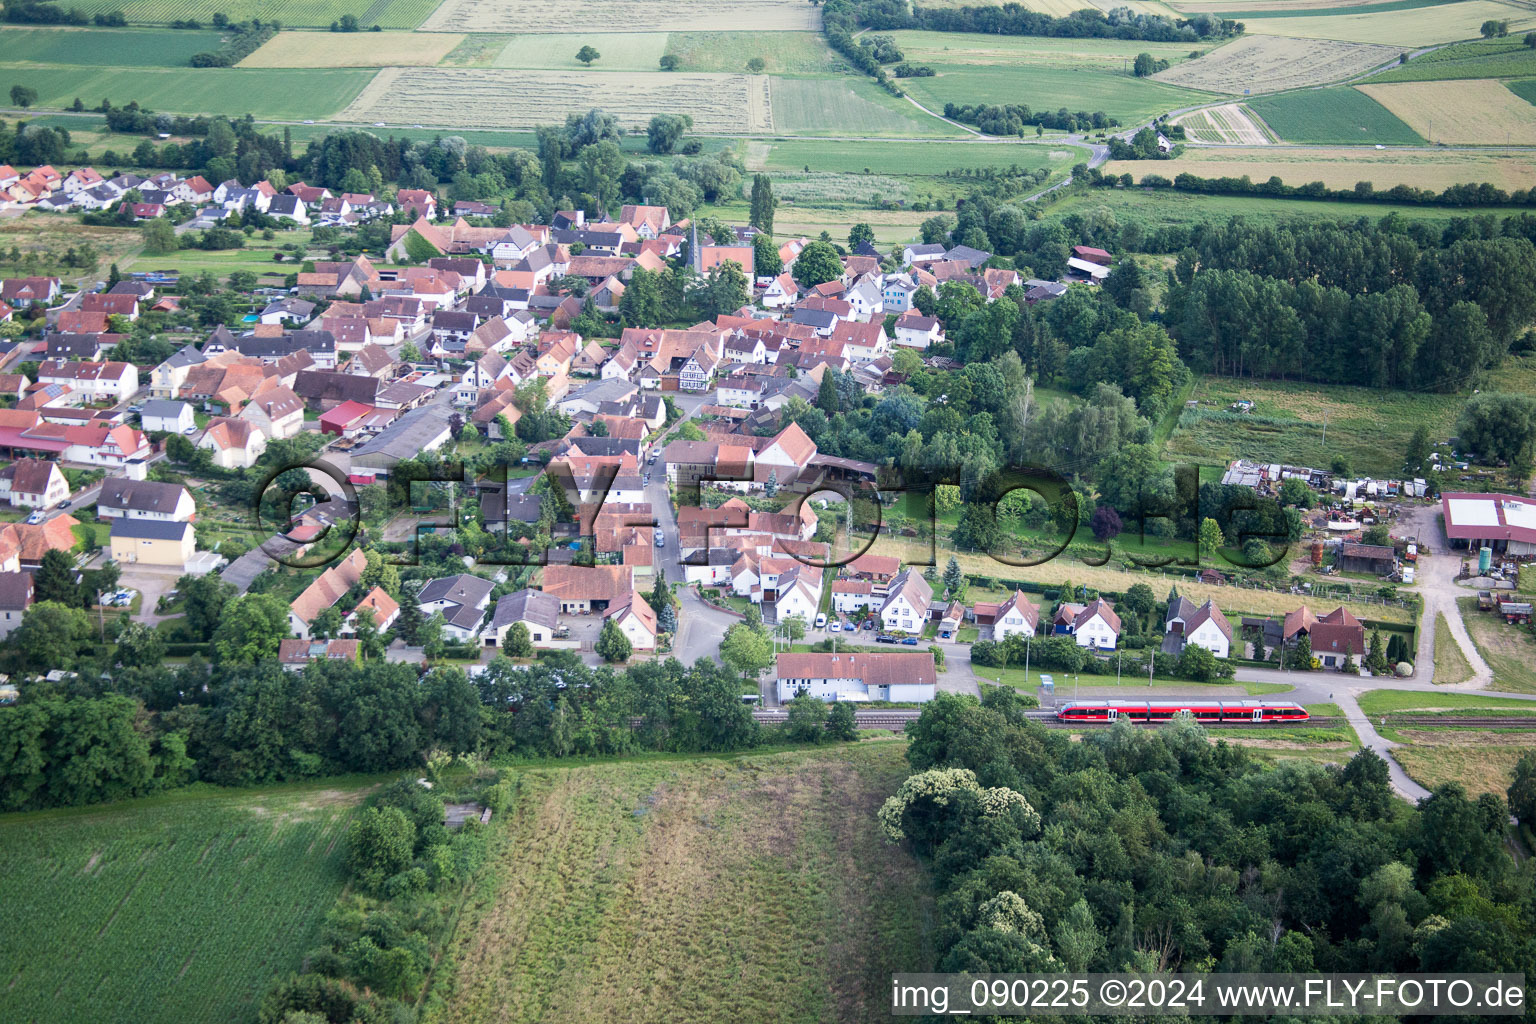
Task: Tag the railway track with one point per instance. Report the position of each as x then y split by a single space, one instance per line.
896 719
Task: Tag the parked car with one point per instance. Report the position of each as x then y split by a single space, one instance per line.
884 639
869 623
836 627
661 539
34 518
821 622
910 641
944 635
65 503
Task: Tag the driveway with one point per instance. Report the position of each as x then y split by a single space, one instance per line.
152 583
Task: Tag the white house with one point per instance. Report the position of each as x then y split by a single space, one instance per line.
798 594
1015 616
537 611
144 499
461 600
906 603
906 677
1096 626
636 620
781 292
163 415
916 331
236 444
866 298
113 380
33 483
850 596
1204 626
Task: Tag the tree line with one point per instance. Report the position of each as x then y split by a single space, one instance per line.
1467 194
1154 850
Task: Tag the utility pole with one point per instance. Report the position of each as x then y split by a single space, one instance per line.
1325 428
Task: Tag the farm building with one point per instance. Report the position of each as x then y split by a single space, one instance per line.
1372 558
858 677
1504 522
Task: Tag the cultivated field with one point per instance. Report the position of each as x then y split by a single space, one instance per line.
1344 167
1230 124
782 52
621 51
917 158
292 13
1369 429
1471 111
1337 116
1480 58
1296 8
1270 64
178 910
352 50
1117 93
981 48
847 106
635 15
276 94
733 889
1420 26
503 98
118 47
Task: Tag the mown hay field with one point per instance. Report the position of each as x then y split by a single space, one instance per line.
1418 27
781 52
1117 93
621 51
1339 116
919 158
1296 8
178 910
352 50
495 97
1480 58
1472 111
1230 124
170 48
750 888
276 93
983 48
629 15
404 14
1272 63
1343 168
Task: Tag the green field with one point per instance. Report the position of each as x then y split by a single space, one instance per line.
749 888
981 48
1168 206
1398 702
1118 94
782 52
621 51
1481 58
922 158
277 94
847 106
1509 650
1525 89
293 13
1332 116
1369 429
1319 12
176 909
103 46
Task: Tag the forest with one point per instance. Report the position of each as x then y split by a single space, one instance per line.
1156 850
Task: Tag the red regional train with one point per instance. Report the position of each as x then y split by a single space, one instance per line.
1215 711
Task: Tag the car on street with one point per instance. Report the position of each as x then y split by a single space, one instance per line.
65 503
885 638
661 539
910 641
35 518
836 627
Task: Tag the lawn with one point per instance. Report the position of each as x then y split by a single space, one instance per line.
230 91
1117 93
177 909
1414 702
1509 650
781 52
1336 116
1451 665
910 158
1368 428
293 13
847 106
1131 686
1480 58
170 48
751 888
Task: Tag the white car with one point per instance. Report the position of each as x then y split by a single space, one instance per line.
836 627
821 622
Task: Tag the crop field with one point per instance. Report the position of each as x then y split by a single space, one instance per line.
842 106
1424 25
1369 429
636 15
1270 64
1231 124
1193 208
496 97
1525 89
1118 94
101 46
1472 111
1344 167
352 50
178 910
981 48
782 52
1333 117
477 51
924 158
735 889
1480 58
621 51
232 91
1240 9
292 13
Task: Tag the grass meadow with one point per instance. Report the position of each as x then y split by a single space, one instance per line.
1482 760
1422 26
621 51
1166 205
1479 58
847 106
1342 167
352 49
985 49
293 13
229 91
916 158
1509 650
751 888
781 52
1451 665
1332 116
177 909
1117 93
103 46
